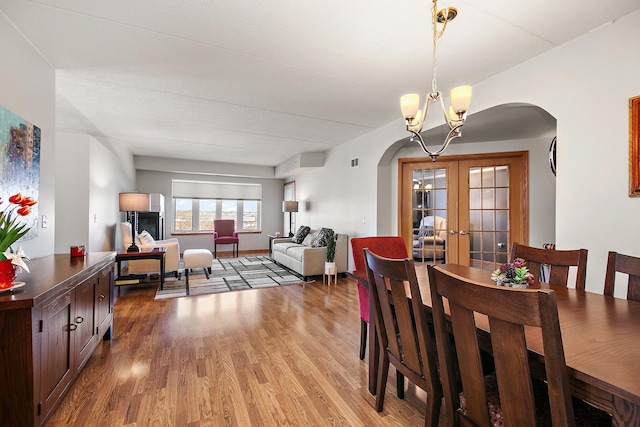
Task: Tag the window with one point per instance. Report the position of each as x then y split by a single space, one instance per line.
202 212
197 204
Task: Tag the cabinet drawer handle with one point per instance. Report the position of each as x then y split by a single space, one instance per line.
101 298
73 327
79 319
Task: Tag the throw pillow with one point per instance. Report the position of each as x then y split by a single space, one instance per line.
145 239
308 241
425 231
301 234
321 237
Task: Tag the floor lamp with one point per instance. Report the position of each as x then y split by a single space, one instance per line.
290 206
134 203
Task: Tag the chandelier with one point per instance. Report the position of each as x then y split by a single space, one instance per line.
456 114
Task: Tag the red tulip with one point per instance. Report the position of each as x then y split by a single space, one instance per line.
24 211
28 201
16 198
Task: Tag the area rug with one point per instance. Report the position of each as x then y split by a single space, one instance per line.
230 274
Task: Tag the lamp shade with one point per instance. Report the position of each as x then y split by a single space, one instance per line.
290 206
461 98
409 104
134 202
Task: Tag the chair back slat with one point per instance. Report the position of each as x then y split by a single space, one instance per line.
558 262
508 311
626 264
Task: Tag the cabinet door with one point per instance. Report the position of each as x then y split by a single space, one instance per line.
58 352
104 303
85 331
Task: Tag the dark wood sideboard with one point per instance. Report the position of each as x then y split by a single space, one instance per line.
49 329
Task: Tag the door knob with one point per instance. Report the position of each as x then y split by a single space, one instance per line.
463 233
452 232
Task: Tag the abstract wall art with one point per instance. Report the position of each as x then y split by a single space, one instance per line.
20 163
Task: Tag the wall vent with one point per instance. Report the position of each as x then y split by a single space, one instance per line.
354 162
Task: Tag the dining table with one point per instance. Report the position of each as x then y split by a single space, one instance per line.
601 338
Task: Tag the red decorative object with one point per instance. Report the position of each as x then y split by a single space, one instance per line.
77 251
7 274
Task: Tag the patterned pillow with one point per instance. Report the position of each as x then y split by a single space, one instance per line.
301 234
425 231
321 238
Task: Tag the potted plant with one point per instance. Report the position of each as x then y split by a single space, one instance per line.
330 265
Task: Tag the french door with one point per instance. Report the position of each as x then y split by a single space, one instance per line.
464 209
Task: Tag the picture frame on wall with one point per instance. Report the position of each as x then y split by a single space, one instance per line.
634 146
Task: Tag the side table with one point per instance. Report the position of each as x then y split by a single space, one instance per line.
271 237
155 253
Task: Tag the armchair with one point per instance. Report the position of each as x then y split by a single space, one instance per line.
224 234
171 258
429 242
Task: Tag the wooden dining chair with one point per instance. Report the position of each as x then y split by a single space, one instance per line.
558 262
509 396
626 264
386 246
403 331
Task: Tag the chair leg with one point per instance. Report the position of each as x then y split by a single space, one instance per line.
383 373
363 338
186 275
400 384
206 273
432 411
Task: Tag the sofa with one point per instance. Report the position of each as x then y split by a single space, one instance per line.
430 239
306 259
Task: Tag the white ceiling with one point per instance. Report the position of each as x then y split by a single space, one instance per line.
257 82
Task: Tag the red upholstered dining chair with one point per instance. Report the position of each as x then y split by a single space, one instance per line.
626 264
224 234
385 246
558 262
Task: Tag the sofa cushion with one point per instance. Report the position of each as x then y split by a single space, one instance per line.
301 234
321 237
282 247
308 241
296 252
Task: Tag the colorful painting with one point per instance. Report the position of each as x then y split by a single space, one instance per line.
634 146
20 162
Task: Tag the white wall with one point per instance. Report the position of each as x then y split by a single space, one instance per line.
89 177
586 85
27 88
150 181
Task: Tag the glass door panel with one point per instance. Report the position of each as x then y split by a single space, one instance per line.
429 214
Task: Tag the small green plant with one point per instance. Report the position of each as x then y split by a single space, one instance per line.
331 247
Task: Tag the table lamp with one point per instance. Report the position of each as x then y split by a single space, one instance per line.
134 203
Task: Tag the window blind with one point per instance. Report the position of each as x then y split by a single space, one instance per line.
216 190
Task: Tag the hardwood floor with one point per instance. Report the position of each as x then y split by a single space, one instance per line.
268 357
